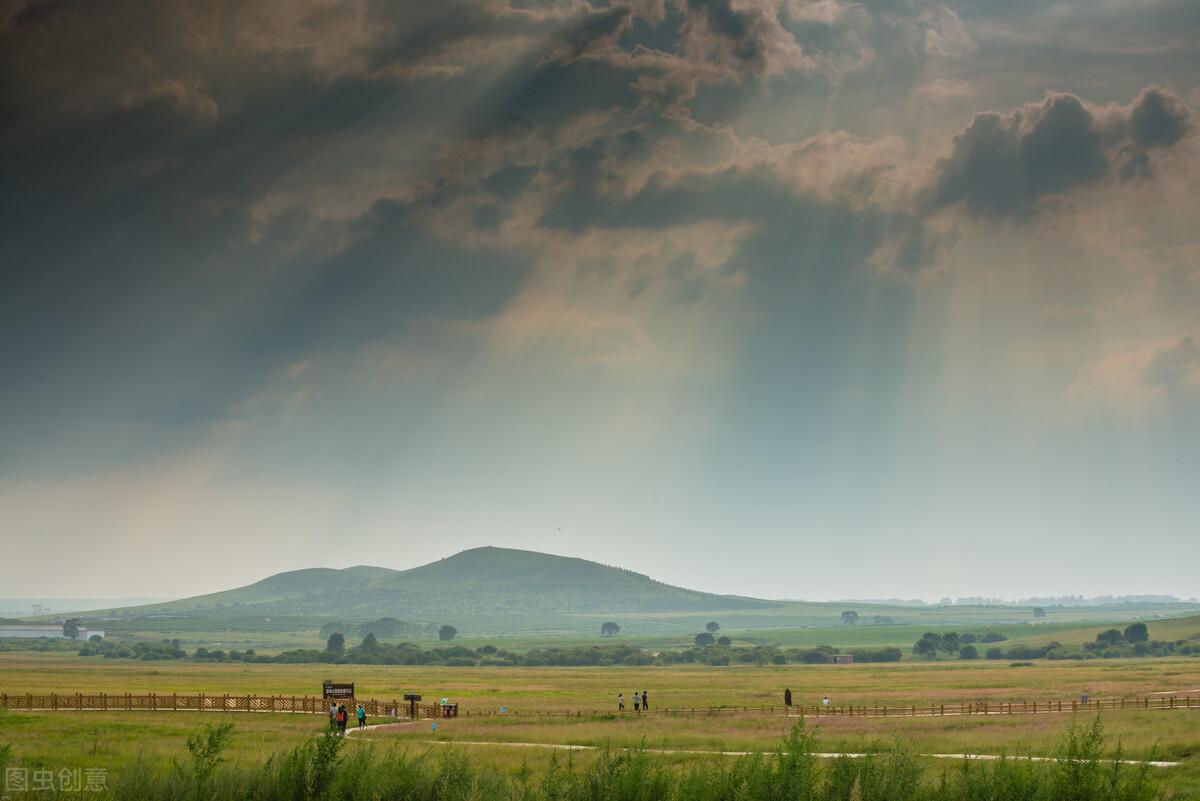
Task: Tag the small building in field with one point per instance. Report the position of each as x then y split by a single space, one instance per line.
843 659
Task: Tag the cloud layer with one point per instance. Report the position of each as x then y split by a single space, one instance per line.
427 261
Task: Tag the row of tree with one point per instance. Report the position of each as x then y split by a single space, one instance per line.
611 629
931 643
336 643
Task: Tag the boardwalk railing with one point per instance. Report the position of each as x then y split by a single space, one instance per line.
375 708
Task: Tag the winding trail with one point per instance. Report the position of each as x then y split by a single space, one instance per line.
828 755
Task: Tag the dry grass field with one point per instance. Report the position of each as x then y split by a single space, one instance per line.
536 699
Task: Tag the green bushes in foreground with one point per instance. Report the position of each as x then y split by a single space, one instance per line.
320 771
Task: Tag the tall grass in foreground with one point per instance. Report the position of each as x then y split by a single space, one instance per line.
319 771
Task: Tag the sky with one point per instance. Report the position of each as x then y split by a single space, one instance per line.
787 298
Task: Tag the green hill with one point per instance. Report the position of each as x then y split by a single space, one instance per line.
481 581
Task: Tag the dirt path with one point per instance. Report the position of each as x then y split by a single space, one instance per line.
831 755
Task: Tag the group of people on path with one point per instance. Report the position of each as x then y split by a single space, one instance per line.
339 716
641 703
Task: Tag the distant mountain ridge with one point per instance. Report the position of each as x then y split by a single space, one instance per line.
480 581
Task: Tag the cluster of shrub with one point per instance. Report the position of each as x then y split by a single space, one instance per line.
166 649
389 627
148 651
964 646
1134 641
373 652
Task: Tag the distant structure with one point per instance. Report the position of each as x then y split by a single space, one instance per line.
53 632
40 609
843 659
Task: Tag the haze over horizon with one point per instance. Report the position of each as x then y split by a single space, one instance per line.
775 298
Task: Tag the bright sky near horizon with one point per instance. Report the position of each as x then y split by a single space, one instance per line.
787 298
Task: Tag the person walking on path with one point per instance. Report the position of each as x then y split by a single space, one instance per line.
645 702
825 701
342 716
787 697
620 702
332 716
636 702
362 716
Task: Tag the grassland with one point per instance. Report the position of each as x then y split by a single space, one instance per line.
108 739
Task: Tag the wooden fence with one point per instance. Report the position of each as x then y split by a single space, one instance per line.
376 708
175 702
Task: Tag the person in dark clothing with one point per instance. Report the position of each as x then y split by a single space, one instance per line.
787 697
645 702
342 717
637 701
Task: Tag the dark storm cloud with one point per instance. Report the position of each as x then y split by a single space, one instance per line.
749 38
1158 119
176 326
736 27
142 287
1001 165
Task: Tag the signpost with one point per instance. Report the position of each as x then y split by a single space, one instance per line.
338 692
412 699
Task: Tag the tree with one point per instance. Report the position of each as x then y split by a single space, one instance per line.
967 638
71 627
993 636
704 639
1137 632
609 629
968 652
1039 611
724 641
712 627
1109 637
849 616
369 643
949 643
336 643
928 644
447 632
